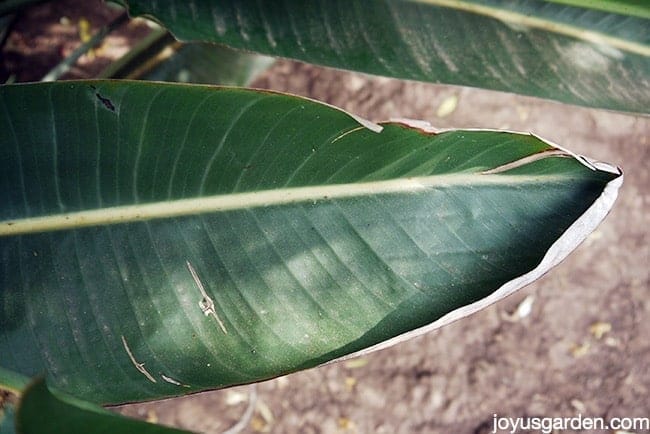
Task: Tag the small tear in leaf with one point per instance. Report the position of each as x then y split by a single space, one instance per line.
421 125
139 366
526 160
106 102
170 380
345 134
206 303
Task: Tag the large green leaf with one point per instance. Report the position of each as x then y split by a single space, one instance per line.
162 239
575 54
42 412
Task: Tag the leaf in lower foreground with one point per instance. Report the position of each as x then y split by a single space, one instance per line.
576 53
158 240
42 412
7 410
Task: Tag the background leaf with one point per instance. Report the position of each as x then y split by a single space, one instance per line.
572 54
160 57
310 236
42 412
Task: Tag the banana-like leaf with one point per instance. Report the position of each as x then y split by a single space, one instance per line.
574 54
162 239
42 412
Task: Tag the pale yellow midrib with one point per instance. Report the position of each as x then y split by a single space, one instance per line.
239 201
543 24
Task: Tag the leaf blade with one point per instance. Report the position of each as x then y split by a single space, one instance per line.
532 48
41 412
396 230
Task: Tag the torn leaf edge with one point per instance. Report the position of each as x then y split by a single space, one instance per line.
427 128
559 250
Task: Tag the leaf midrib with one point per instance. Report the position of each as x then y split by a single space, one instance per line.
247 200
515 18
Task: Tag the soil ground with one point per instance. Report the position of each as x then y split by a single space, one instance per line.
584 347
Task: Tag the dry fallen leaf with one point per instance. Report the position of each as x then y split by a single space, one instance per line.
265 411
152 417
579 406
600 329
259 425
580 350
447 106
85 35
356 363
350 382
346 424
525 307
234 397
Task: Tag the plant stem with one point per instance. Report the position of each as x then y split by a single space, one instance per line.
143 57
65 65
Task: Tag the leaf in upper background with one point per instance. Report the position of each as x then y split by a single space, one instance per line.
159 239
577 55
42 412
635 8
160 57
210 64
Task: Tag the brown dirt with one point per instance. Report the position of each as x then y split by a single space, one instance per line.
550 363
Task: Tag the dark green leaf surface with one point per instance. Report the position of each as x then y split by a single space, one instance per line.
572 54
311 236
42 412
210 64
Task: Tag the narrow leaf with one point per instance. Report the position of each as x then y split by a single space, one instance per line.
574 54
162 239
